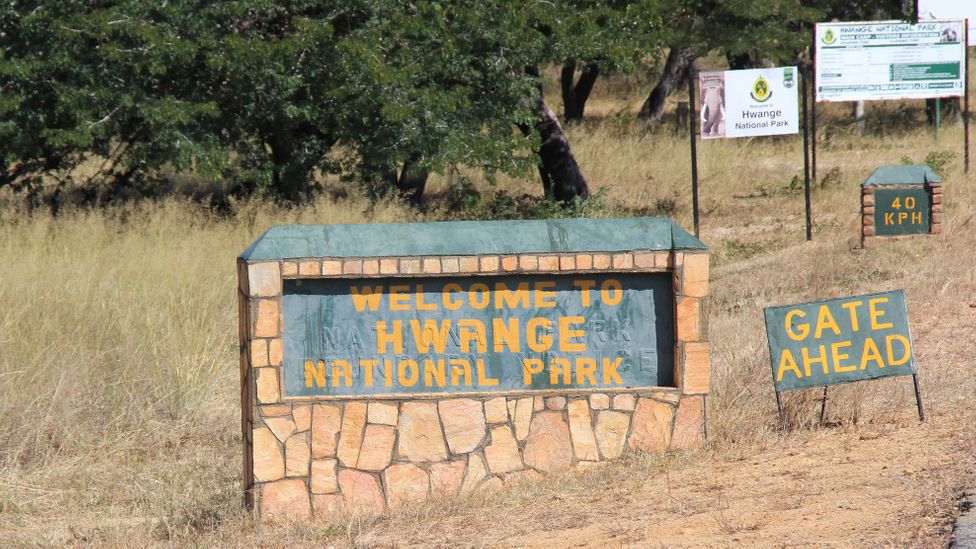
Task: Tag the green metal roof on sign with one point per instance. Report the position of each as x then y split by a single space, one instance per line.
471 238
912 174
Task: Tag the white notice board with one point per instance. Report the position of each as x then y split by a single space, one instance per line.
889 60
748 103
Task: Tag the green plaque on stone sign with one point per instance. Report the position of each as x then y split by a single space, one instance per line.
901 211
839 340
390 336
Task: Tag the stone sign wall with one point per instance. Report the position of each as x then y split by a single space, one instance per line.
313 453
901 202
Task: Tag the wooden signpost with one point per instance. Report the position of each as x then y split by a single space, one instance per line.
841 340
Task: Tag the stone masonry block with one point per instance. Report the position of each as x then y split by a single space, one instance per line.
694 278
689 425
285 500
450 265
464 423
468 264
489 263
688 312
309 267
651 429
371 266
528 262
509 263
351 433
267 385
644 260
264 279
410 266
548 263
567 262
388 265
269 464
693 377
431 265
584 262
259 353
601 261
623 261
276 351
331 267
352 266
266 321
289 268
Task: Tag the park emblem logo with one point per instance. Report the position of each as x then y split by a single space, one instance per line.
788 77
760 90
829 37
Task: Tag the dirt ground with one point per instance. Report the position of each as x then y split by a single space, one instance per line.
894 484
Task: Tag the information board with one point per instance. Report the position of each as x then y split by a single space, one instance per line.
748 103
889 60
901 211
950 9
477 334
839 340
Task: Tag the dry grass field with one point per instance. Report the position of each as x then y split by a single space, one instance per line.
119 416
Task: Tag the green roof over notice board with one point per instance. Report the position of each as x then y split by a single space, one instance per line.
910 174
471 238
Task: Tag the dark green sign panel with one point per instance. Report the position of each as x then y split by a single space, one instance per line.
477 334
839 340
901 211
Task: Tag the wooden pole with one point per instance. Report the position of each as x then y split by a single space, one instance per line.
918 398
692 122
806 158
823 406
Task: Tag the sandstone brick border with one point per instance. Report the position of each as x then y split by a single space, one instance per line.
311 457
868 235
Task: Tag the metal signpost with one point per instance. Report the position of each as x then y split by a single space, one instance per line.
841 340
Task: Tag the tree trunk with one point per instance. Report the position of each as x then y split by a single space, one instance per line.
859 121
675 69
412 182
561 176
288 178
575 95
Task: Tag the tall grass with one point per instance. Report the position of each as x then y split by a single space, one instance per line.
118 365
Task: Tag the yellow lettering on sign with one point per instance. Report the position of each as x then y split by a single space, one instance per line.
478 295
825 320
787 362
803 329
315 372
505 333
585 371
470 329
611 292
367 367
511 299
536 341
876 314
430 333
916 220
838 357
544 297
889 218
483 379
584 286
851 307
610 374
871 353
399 300
906 349
384 338
434 372
450 303
530 367
421 305
567 334
808 360
408 372
341 369
460 368
557 367
367 298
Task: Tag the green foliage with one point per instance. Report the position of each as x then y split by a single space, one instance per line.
940 161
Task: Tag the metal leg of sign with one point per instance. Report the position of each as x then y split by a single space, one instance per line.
823 406
692 122
806 159
918 398
938 116
705 414
813 104
965 105
782 413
